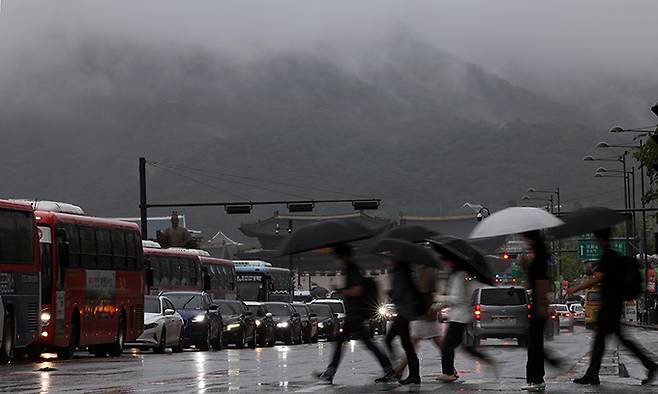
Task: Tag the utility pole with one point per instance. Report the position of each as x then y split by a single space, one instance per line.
143 214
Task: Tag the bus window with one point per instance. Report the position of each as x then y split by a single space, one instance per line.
188 277
131 252
87 247
118 250
16 237
104 246
73 238
174 271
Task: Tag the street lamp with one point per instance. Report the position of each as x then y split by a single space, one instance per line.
549 201
591 158
551 192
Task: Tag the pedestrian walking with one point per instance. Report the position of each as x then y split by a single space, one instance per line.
609 274
459 315
405 298
356 309
426 326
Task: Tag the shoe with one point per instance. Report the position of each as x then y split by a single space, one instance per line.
651 375
326 376
536 387
388 377
447 378
410 380
526 386
594 381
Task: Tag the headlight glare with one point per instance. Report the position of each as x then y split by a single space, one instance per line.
198 318
45 317
282 324
233 326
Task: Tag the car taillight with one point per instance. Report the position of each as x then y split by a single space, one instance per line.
529 311
477 312
567 314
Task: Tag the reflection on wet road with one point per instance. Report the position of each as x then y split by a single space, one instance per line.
281 368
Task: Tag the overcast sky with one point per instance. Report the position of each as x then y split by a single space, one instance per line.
556 35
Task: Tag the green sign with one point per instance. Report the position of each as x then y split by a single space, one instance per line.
589 250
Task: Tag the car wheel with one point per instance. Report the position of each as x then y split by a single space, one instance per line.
181 341
8 343
116 348
290 338
218 342
205 343
162 344
98 350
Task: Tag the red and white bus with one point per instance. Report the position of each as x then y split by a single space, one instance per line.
19 278
92 287
179 269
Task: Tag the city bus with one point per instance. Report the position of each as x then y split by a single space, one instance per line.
260 281
92 287
19 278
179 269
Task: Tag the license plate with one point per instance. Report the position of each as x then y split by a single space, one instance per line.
504 320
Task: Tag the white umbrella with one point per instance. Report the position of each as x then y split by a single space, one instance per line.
515 220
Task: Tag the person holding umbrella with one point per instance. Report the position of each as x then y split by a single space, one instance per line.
336 234
458 258
404 295
528 222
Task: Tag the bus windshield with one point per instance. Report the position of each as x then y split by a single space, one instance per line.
249 290
17 241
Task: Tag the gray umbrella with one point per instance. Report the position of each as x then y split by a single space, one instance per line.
404 252
326 234
585 220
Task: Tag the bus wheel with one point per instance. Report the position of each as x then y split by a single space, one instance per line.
8 338
116 348
98 350
67 352
33 353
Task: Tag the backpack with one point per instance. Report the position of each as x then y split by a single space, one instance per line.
630 278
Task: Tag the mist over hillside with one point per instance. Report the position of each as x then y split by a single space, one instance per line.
407 122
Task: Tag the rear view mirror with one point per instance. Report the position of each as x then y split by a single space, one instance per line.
336 315
169 312
268 314
295 314
213 308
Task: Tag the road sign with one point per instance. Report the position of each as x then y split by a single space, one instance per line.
589 250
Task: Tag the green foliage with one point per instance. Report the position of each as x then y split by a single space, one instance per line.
647 155
571 268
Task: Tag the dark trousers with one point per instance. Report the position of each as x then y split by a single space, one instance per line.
354 325
608 323
400 327
534 369
454 337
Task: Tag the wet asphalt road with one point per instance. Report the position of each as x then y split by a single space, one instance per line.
288 368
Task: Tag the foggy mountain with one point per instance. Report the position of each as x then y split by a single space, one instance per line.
405 122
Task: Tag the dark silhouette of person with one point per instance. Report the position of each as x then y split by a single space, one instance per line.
356 309
607 273
175 236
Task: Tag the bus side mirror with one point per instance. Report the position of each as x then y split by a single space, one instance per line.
149 275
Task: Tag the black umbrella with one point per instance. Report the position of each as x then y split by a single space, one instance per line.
325 234
469 257
404 252
585 220
413 233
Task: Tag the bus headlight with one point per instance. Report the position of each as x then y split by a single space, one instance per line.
45 317
198 318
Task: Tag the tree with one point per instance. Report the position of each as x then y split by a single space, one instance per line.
647 155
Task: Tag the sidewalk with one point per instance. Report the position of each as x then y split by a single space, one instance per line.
640 325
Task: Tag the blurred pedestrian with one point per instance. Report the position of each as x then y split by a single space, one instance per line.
405 297
539 285
356 309
459 315
426 326
608 274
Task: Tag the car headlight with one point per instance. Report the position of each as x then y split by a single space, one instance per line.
232 326
382 311
282 324
321 325
198 318
258 323
45 317
150 325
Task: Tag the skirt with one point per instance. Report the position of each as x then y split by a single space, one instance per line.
425 329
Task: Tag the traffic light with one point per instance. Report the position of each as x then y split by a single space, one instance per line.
505 256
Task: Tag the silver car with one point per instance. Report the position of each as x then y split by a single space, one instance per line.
163 326
499 312
565 316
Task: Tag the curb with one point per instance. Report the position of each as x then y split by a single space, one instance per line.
644 326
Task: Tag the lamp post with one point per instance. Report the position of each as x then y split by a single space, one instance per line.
549 201
555 192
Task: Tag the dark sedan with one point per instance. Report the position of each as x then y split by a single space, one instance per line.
203 323
309 322
288 328
239 324
265 325
327 321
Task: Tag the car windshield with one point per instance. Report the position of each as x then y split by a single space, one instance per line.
336 307
577 308
151 305
503 297
321 310
186 301
301 309
256 309
230 308
278 309
561 308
